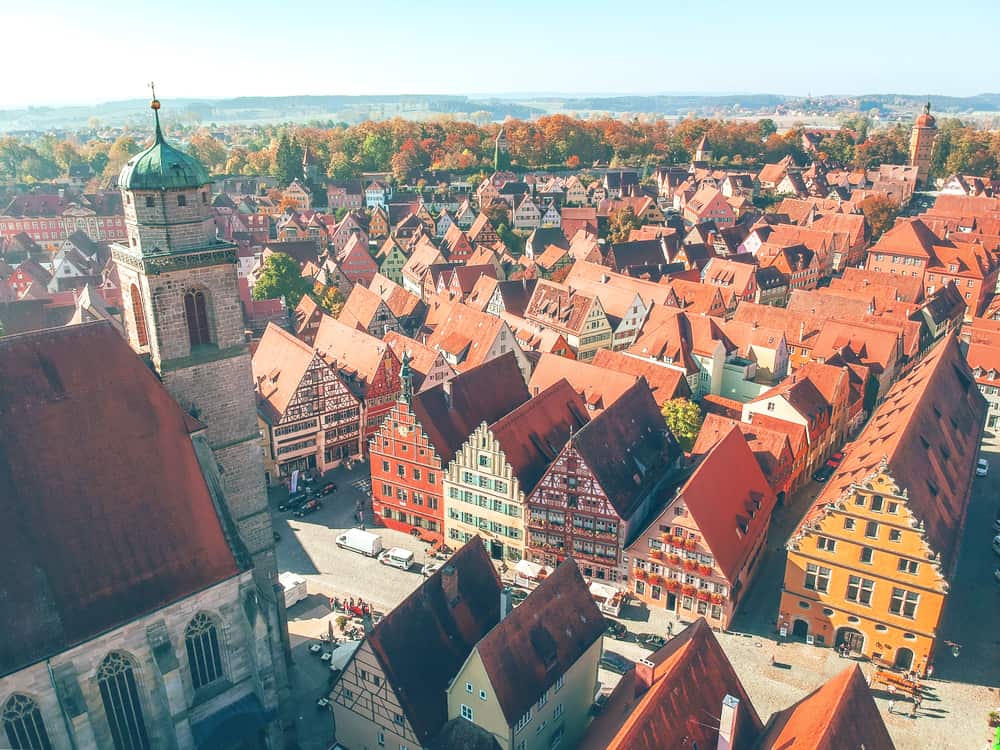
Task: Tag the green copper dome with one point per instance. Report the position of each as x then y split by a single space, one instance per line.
162 167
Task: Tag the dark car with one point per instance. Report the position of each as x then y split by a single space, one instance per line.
651 641
615 663
327 489
294 501
309 507
615 629
823 473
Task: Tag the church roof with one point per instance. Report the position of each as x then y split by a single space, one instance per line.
161 166
95 453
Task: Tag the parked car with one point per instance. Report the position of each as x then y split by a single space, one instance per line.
310 506
996 522
294 501
430 569
397 557
615 629
615 662
982 467
823 473
328 488
835 459
996 544
518 595
651 641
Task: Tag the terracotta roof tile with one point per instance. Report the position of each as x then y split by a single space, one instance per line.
75 530
839 714
279 362
540 640
351 349
664 382
599 387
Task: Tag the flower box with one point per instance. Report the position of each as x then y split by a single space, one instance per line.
705 570
641 574
677 541
675 559
703 596
673 585
656 554
718 598
655 580
689 590
690 565
690 544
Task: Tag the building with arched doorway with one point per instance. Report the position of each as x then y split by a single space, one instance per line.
869 566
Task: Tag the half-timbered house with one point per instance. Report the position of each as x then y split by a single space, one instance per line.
308 416
603 487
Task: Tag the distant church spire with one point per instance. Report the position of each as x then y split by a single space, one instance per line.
155 106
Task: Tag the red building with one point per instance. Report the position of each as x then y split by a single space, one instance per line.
366 365
411 451
603 488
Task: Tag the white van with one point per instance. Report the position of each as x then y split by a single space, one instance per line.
294 586
397 557
364 542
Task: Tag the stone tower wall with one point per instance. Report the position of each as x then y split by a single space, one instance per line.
166 225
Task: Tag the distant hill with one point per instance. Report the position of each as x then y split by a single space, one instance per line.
353 109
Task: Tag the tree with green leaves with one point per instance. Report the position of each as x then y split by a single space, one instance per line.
332 300
280 276
621 223
683 416
287 160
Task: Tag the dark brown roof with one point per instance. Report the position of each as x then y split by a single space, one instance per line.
462 734
628 447
302 250
423 642
840 714
450 412
674 699
532 435
540 640
90 445
516 294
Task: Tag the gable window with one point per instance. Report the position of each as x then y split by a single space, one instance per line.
139 315
23 725
903 603
908 566
122 707
201 638
867 553
196 315
817 577
876 504
895 535
871 530
466 712
826 543
849 524
468 687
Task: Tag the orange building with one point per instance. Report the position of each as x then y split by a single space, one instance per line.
869 566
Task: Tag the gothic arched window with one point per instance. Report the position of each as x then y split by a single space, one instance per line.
22 722
140 317
120 695
196 314
204 657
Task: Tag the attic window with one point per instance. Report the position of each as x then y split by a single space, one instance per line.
150 202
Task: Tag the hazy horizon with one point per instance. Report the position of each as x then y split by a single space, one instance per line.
225 50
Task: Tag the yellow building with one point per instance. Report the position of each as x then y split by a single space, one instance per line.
869 567
530 681
499 464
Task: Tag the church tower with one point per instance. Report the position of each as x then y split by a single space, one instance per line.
922 143
501 156
182 310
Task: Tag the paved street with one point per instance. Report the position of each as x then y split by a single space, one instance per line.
953 716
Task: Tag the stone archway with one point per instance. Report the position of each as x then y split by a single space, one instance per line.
852 638
800 629
904 658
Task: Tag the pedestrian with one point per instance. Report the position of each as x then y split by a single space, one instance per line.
892 705
332 602
917 700
670 627
930 671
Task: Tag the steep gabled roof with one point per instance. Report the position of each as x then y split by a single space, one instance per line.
532 435
540 640
360 308
90 444
666 701
449 413
908 237
664 382
400 302
599 387
279 363
769 446
465 333
927 431
628 447
446 616
351 350
840 714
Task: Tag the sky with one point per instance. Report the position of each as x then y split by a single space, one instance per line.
92 52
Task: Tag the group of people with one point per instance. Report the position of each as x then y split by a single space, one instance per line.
914 706
354 606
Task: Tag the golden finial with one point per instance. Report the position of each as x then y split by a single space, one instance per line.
155 106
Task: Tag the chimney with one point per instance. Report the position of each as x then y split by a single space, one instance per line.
505 602
645 676
727 723
449 585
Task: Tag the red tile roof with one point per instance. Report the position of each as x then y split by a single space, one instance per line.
91 443
665 382
770 447
450 412
360 308
352 350
279 363
927 430
841 714
540 640
532 435
665 703
598 387
447 615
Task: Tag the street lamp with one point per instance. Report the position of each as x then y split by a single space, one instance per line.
956 648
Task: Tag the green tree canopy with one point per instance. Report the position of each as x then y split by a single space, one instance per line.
621 223
287 161
281 277
684 419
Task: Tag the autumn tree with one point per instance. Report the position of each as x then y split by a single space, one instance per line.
210 151
332 300
683 416
881 212
621 223
280 276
